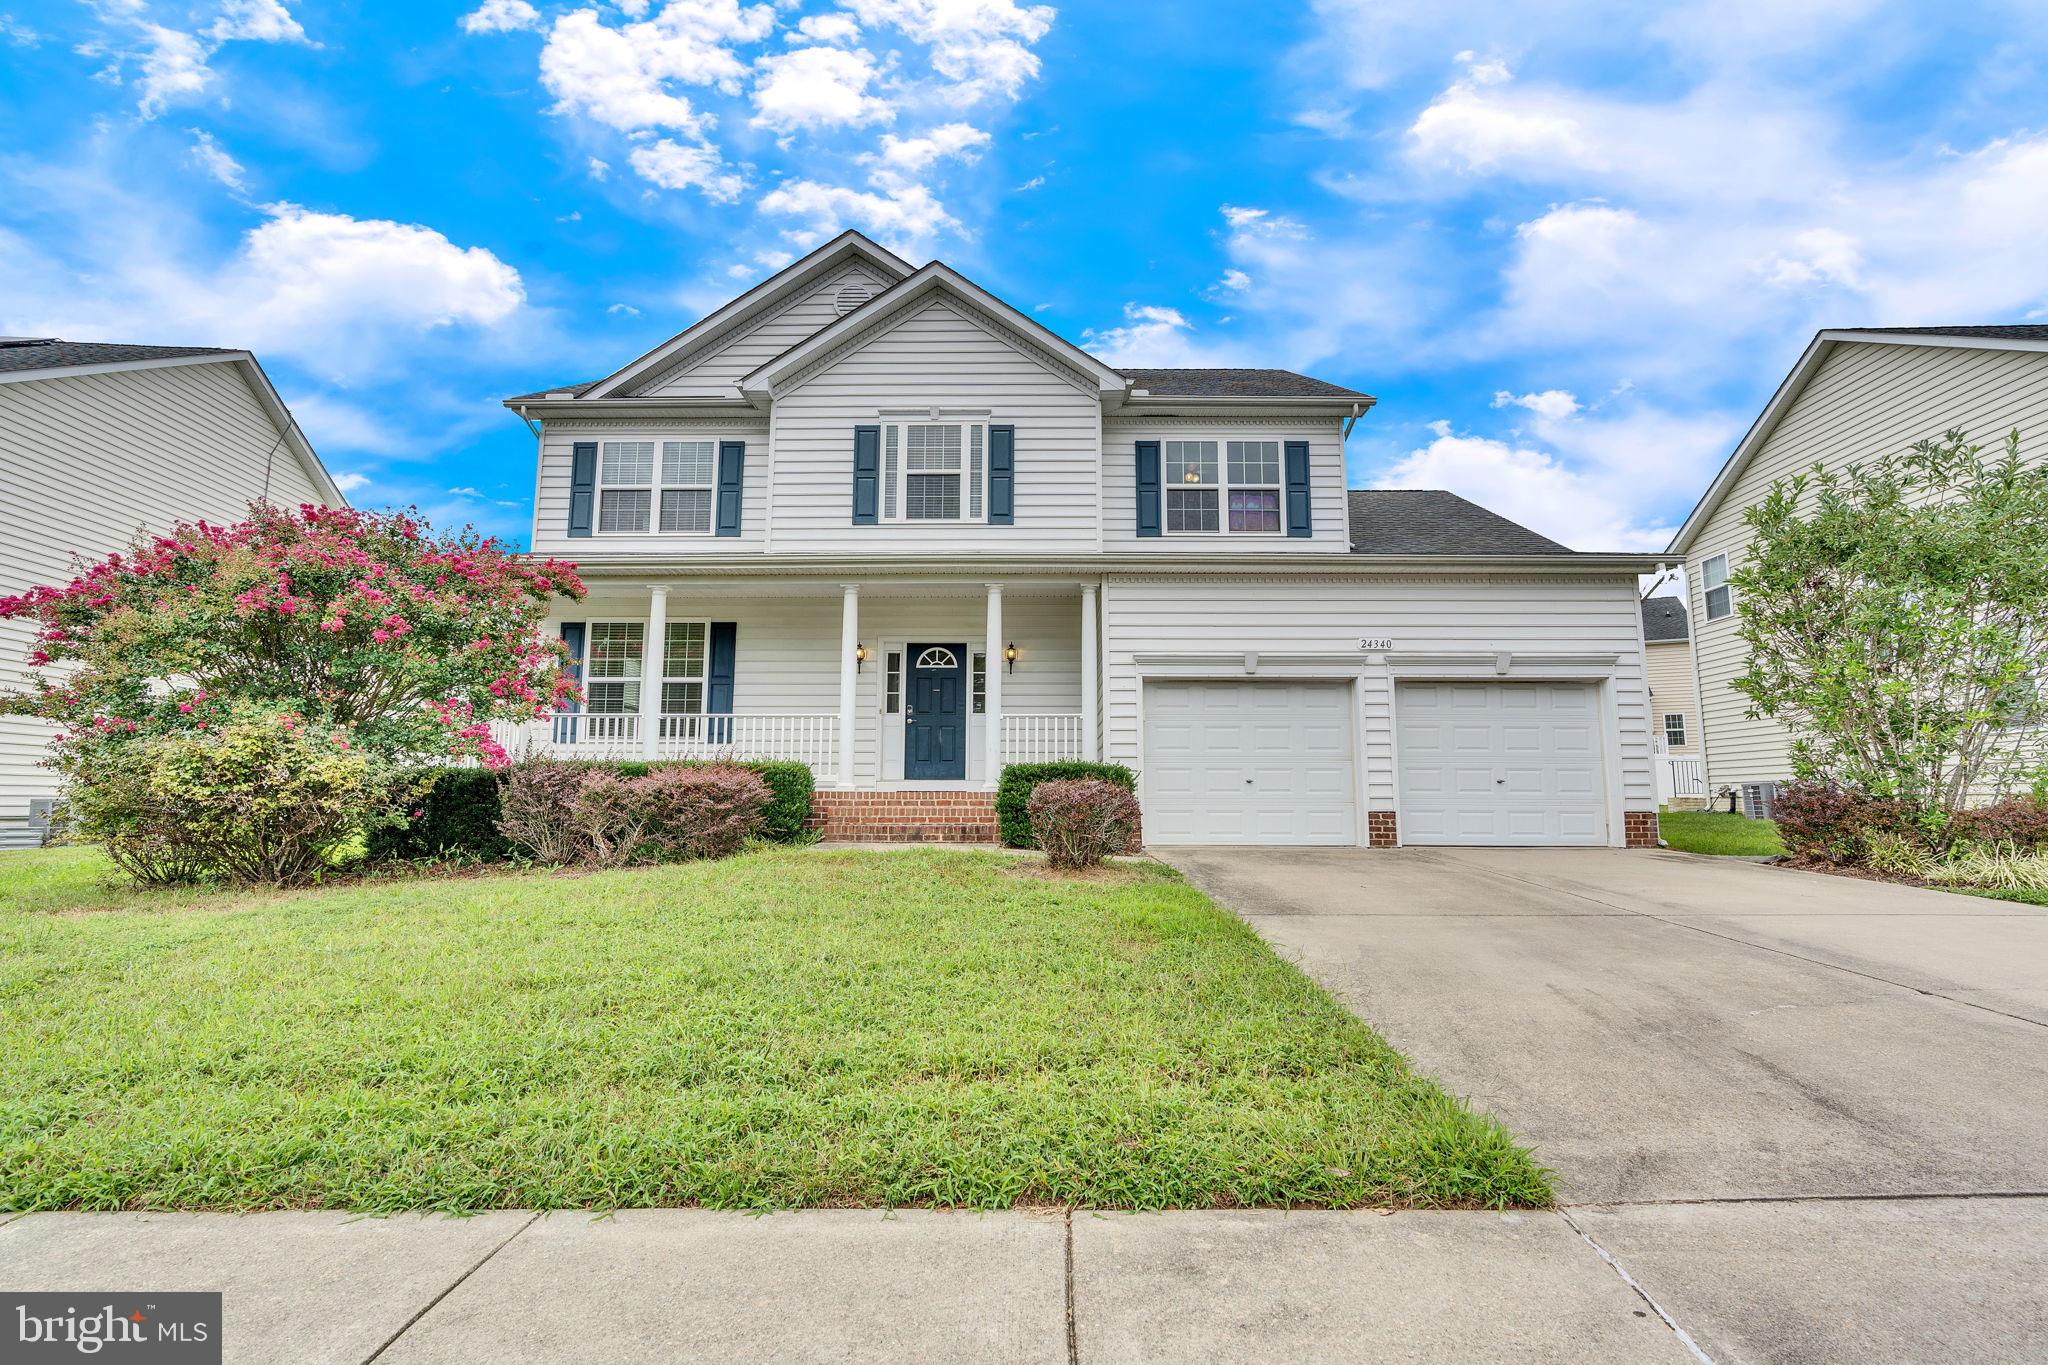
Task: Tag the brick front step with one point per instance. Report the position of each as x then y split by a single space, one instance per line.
905 817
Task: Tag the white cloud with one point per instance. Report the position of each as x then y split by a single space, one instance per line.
466 492
257 21
1471 129
1035 182
500 16
1234 281
1552 404
817 87
18 33
174 69
623 310
1821 256
675 166
1150 335
825 28
600 170
982 46
212 158
620 76
914 154
350 482
902 218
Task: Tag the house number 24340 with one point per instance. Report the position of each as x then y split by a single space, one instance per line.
1375 642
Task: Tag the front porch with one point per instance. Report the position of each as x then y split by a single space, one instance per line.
876 687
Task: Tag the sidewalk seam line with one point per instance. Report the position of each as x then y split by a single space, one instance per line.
1073 1335
1804 1198
1641 1293
434 1302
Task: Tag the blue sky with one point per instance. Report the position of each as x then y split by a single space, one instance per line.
1571 245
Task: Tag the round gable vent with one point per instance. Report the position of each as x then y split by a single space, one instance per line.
851 297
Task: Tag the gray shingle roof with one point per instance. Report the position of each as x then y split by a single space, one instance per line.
1999 332
1429 521
1234 384
538 394
49 353
1664 619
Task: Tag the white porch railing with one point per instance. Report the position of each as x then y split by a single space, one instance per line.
584 734
1049 737
811 739
1680 779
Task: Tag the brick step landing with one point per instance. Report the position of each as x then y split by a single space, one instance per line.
905 817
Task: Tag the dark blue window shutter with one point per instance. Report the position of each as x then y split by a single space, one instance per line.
732 465
572 636
1298 520
1002 476
867 474
1148 488
725 650
582 487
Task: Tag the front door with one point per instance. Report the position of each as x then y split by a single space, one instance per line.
935 717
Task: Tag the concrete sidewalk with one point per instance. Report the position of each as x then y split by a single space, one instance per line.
859 1285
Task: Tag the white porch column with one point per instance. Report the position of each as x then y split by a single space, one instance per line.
1091 678
849 640
992 719
651 648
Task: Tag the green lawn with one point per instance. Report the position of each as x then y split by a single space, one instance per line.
1699 831
791 1027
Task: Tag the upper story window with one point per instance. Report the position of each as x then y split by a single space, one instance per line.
1720 597
1238 493
934 471
636 480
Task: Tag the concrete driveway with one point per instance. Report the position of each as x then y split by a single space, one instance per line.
1809 1114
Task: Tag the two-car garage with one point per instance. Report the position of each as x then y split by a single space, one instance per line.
1278 762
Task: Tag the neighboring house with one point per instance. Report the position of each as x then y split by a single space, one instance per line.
1855 396
875 519
101 441
1674 708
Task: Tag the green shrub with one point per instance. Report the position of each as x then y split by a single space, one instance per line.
459 816
1013 792
455 817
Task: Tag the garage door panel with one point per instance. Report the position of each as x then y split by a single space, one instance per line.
1500 763
1250 763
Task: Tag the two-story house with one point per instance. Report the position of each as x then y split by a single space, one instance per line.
871 517
101 441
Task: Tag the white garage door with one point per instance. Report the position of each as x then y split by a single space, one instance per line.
1249 763
1500 763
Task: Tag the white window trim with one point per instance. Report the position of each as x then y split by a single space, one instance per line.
632 680
1678 716
702 678
891 493
1224 487
1706 592
655 487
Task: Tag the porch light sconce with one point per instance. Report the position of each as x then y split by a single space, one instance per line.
1010 657
860 657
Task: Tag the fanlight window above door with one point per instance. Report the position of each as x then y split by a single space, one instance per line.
936 657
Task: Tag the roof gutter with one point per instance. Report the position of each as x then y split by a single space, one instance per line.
896 566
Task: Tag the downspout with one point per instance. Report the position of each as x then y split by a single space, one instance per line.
1357 411
531 425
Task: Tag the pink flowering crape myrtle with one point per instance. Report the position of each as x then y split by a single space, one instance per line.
367 626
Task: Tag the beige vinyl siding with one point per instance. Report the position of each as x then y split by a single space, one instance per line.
936 356
1671 692
1328 514
551 495
716 372
787 656
91 460
1471 615
1863 401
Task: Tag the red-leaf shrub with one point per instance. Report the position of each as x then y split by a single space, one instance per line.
1079 823
698 812
1831 824
534 806
2021 821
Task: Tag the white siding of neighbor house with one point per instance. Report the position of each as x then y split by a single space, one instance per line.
1473 614
91 460
1671 684
1863 402
1328 513
787 651
936 355
715 373
558 440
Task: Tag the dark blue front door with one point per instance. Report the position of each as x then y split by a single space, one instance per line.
935 718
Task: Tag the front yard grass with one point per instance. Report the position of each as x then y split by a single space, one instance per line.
789 1027
1703 831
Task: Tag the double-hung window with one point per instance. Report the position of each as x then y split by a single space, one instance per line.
684 657
611 674
645 484
1720 597
934 471
1238 493
1674 730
